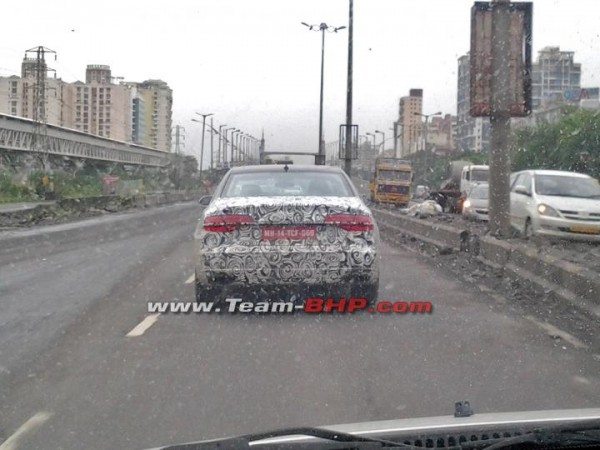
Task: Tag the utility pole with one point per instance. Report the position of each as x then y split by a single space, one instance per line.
179 139
500 120
348 155
39 98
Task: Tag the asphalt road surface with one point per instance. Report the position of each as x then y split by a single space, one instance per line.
70 377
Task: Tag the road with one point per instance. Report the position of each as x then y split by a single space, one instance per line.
70 377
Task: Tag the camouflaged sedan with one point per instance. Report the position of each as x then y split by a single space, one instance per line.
286 232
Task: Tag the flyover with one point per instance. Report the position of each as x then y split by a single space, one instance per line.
24 135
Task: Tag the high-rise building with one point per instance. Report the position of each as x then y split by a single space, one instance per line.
131 112
152 104
554 75
98 106
472 133
409 121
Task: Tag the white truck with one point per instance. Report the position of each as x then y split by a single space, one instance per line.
473 174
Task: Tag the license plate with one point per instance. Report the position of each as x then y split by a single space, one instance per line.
585 230
292 232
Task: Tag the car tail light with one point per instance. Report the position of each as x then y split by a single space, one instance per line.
350 222
226 223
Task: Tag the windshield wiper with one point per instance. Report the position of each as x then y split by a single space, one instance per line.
346 440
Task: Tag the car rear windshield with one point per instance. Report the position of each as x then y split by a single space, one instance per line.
278 184
567 186
394 175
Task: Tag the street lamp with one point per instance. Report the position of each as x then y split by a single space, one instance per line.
373 136
427 116
320 160
219 148
204 116
226 130
234 131
383 141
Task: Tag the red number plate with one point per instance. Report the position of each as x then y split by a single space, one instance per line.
292 232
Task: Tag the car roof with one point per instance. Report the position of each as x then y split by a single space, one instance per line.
280 168
561 173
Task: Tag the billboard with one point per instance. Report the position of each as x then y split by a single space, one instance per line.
519 40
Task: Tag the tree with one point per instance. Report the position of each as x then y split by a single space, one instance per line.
572 144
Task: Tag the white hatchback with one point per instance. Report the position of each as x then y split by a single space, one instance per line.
555 203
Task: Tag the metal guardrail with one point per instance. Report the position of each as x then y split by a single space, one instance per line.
20 134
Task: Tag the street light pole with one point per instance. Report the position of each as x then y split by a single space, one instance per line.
320 159
225 143
428 161
220 139
383 141
373 136
212 143
204 116
348 155
232 144
395 131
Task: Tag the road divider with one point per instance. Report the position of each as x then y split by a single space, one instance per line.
565 280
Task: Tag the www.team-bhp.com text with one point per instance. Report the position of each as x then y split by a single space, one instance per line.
313 305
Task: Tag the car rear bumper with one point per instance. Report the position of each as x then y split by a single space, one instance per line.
273 269
351 286
287 266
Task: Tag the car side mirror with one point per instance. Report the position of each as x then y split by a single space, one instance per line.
522 190
205 200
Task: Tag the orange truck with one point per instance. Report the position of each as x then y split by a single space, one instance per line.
391 182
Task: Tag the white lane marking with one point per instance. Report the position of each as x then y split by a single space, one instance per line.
34 422
141 327
190 279
553 331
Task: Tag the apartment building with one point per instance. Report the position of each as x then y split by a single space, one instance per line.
128 111
409 121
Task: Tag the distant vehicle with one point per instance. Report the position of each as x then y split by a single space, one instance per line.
286 230
449 193
391 182
555 203
476 204
472 175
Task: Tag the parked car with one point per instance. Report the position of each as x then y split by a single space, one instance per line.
555 203
286 230
476 203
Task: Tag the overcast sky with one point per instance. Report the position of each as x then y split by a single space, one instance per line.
252 64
